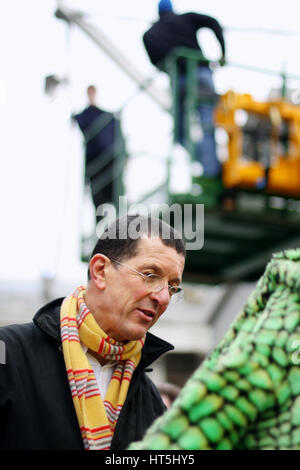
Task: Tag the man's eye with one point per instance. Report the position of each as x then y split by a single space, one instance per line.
153 277
174 288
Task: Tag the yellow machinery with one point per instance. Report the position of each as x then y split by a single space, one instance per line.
277 168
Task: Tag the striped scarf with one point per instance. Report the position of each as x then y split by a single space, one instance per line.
97 417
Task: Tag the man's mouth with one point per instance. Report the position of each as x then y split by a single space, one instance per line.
147 313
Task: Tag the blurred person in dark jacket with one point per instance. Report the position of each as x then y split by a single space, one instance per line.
169 33
100 130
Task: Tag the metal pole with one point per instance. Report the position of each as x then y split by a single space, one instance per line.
110 49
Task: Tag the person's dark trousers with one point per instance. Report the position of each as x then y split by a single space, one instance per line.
205 150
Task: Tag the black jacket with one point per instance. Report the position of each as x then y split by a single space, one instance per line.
99 129
36 407
173 31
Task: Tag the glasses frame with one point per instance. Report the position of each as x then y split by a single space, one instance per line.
173 295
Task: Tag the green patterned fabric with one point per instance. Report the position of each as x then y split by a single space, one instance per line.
246 394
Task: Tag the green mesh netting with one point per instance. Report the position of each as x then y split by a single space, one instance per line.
246 394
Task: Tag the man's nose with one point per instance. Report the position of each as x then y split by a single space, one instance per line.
162 297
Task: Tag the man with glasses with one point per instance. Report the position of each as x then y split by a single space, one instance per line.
76 378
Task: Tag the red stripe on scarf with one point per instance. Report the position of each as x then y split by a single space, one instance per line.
79 371
69 338
101 346
110 406
68 318
82 392
101 428
117 378
85 312
109 348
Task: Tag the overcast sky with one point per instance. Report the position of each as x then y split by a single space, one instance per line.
42 205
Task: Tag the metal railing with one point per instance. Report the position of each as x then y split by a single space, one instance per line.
171 65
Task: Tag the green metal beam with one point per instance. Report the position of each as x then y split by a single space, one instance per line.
257 262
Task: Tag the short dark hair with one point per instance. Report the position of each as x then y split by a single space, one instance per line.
91 87
117 240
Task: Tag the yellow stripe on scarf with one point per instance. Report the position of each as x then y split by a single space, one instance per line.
97 418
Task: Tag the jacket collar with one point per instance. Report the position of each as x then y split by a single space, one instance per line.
154 347
47 319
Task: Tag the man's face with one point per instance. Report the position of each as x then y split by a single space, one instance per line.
133 309
91 92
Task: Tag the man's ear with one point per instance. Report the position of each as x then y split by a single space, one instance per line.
97 266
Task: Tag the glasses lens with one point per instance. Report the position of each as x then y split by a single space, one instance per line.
178 297
154 282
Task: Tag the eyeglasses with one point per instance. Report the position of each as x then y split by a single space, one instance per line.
155 283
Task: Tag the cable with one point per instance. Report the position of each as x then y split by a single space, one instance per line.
278 32
234 29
